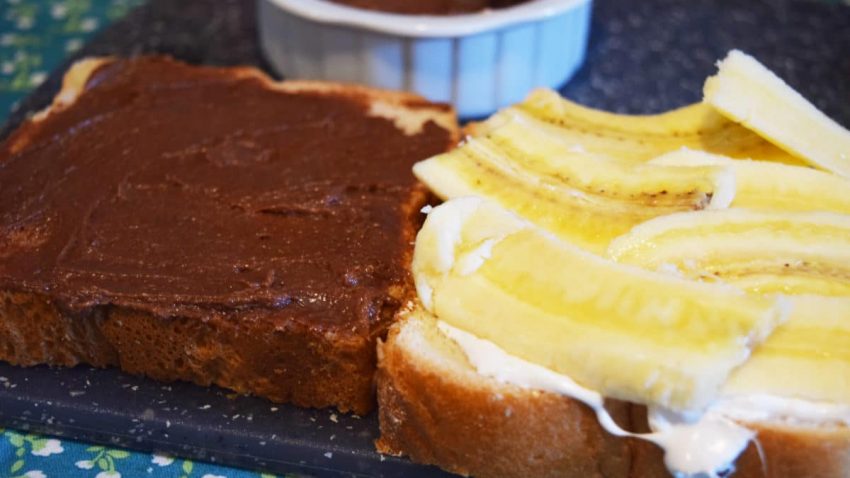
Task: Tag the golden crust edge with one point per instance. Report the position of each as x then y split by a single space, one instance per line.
408 111
448 415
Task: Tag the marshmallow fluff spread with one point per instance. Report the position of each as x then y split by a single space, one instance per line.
695 444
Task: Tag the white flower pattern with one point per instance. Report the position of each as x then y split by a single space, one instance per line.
35 474
162 460
59 10
89 24
108 474
84 464
51 447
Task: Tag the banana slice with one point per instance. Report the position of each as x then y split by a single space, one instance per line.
792 252
623 331
747 92
586 199
766 283
799 253
807 357
638 137
547 156
767 185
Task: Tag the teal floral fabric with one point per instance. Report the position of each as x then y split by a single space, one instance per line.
36 35
33 456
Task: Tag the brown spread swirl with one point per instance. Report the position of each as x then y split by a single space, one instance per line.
185 190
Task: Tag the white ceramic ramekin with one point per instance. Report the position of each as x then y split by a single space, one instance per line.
478 62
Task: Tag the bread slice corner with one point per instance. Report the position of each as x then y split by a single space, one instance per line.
436 409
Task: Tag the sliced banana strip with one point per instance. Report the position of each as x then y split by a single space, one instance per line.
799 254
639 137
748 93
626 332
734 244
806 358
768 185
585 199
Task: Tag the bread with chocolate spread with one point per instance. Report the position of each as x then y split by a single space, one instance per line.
212 225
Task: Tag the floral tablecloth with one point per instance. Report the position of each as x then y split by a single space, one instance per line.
35 36
34 456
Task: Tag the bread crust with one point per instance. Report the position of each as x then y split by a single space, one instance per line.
792 451
441 414
242 351
436 415
780 451
408 110
294 365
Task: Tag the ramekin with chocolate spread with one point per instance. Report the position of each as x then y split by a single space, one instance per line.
478 55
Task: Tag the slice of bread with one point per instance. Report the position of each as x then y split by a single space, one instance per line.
436 409
290 343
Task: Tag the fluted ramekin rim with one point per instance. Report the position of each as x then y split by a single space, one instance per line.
424 26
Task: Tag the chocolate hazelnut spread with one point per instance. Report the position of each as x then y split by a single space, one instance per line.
180 190
430 7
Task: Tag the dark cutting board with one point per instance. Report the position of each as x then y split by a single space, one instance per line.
644 56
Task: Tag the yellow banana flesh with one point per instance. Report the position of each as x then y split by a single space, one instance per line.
638 137
726 245
767 185
801 284
577 172
767 252
623 331
806 357
747 92
582 198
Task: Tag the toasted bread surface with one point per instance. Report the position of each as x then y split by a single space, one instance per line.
256 349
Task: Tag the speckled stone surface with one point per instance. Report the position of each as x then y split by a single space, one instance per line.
650 55
203 423
644 56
